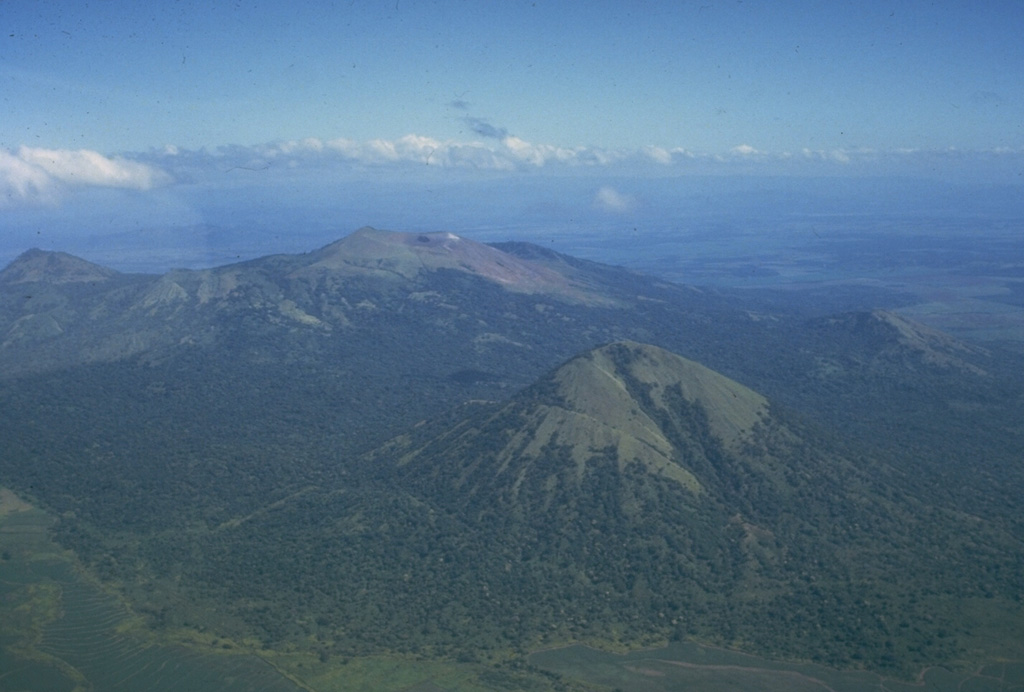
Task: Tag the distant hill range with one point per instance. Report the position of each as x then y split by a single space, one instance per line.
416 442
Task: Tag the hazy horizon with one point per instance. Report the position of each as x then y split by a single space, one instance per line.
282 127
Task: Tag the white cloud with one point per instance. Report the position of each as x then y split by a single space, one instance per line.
33 175
534 154
85 167
539 155
610 199
419 149
836 155
510 154
344 157
658 155
744 150
346 147
39 175
20 180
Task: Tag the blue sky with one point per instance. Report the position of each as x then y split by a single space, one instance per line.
166 101
116 76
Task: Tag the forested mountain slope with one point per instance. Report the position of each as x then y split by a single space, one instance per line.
393 443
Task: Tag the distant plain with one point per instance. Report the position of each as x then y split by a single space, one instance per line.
963 276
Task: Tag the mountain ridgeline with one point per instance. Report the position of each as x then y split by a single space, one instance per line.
418 443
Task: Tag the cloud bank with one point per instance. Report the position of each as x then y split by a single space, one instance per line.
501 151
33 174
37 175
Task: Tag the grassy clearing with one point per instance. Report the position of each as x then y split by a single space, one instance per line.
59 631
11 503
408 674
374 674
707 669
